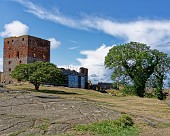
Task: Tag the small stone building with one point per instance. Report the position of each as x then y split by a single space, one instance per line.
23 50
102 86
75 79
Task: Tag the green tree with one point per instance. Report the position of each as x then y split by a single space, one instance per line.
160 72
134 60
38 73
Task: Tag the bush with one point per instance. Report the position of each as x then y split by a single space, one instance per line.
123 126
150 95
114 85
124 121
129 90
160 94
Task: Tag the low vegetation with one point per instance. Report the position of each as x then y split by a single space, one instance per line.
129 104
149 114
123 126
16 133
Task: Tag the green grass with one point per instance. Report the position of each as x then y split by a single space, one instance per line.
141 108
164 125
43 127
16 133
121 127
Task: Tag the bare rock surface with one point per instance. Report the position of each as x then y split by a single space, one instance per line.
25 113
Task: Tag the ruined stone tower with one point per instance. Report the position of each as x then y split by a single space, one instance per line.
23 50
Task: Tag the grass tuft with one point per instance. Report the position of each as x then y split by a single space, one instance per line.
120 127
16 133
43 127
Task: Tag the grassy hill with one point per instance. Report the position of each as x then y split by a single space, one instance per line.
151 115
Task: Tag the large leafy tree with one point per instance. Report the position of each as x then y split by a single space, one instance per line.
38 73
135 61
160 73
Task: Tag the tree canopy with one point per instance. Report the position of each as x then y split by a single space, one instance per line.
38 73
136 61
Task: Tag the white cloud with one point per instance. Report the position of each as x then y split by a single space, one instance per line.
1 64
54 43
15 28
70 66
46 15
146 31
94 61
164 47
74 41
155 33
74 47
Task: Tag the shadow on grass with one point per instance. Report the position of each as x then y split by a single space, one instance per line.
51 91
56 92
48 97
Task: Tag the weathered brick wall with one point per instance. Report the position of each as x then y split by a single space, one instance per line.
15 52
22 50
39 49
1 77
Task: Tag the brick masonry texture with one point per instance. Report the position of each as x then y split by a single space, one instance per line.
1 76
23 50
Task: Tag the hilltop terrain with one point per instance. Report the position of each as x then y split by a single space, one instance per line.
55 110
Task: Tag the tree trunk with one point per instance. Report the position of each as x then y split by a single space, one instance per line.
36 87
159 93
140 90
139 86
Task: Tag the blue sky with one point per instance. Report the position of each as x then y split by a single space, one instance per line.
82 32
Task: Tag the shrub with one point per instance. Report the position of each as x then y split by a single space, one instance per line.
115 85
124 121
129 90
159 94
150 95
120 127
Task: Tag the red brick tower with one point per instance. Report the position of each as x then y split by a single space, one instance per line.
23 50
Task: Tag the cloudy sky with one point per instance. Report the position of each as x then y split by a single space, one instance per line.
82 32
